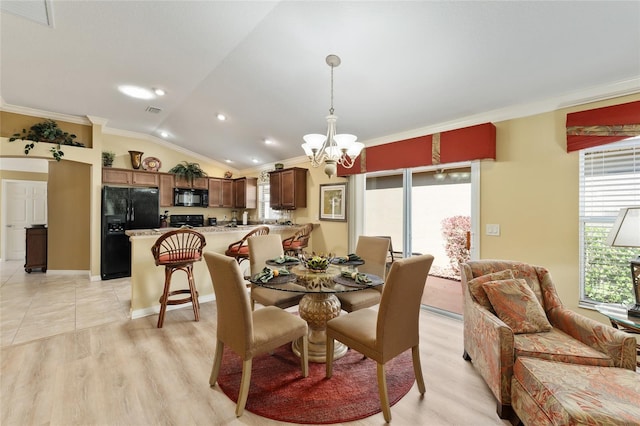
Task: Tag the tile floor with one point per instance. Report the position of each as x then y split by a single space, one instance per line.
37 305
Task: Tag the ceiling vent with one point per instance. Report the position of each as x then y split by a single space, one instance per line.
153 110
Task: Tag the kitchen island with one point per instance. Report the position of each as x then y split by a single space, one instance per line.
147 279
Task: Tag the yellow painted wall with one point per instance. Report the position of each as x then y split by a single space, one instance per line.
531 191
328 236
69 214
12 123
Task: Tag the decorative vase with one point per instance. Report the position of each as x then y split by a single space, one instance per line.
136 159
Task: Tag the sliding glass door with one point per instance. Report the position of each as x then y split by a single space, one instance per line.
425 211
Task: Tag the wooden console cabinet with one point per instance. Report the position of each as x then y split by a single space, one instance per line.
36 249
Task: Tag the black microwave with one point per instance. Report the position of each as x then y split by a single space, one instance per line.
190 197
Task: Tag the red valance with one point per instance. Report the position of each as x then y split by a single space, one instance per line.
599 126
466 144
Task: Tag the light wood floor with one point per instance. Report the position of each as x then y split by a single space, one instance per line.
70 356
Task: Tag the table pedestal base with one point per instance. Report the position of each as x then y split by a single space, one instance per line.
316 309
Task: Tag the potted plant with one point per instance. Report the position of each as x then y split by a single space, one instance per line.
188 171
107 158
46 131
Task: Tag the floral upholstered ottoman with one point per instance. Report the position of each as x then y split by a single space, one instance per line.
556 393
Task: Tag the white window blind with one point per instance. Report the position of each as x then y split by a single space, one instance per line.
264 211
609 180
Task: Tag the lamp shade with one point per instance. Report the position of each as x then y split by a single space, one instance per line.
314 140
626 229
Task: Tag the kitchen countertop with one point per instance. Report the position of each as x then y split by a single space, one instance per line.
147 278
206 229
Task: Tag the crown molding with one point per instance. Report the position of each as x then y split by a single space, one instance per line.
290 162
99 121
45 114
567 100
166 144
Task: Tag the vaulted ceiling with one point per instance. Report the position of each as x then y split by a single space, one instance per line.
405 65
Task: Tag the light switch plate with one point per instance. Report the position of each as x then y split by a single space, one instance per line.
493 229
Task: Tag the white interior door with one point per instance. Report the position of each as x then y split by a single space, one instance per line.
24 204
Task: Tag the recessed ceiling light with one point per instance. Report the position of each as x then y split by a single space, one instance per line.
159 92
228 161
164 134
221 117
136 92
268 141
255 160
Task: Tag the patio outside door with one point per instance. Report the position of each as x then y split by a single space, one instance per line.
432 197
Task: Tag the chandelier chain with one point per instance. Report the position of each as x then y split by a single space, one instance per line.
331 108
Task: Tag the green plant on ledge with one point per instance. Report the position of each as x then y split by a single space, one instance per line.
188 171
107 158
47 131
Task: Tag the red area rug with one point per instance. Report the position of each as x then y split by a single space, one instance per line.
279 392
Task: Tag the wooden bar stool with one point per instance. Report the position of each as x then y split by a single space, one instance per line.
177 251
239 249
294 245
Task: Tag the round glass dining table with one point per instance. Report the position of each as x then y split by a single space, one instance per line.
319 303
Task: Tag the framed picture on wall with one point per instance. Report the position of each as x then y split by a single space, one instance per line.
333 202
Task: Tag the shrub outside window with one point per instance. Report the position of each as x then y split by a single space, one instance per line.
609 181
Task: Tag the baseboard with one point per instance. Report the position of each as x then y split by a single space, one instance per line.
442 312
68 272
155 310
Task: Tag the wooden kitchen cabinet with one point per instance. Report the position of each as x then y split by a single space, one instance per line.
36 249
117 176
288 188
245 193
166 189
144 178
220 192
198 183
129 177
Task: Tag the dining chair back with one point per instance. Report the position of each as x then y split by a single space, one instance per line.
373 250
391 330
239 250
261 249
248 333
177 251
394 254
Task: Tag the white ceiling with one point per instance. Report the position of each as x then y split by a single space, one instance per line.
405 65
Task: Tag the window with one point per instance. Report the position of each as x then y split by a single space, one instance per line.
609 180
264 211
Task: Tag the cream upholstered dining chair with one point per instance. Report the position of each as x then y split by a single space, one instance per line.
261 249
373 250
248 333
394 328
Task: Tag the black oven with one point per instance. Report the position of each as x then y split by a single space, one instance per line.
190 197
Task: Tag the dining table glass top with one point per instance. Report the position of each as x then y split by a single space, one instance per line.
303 280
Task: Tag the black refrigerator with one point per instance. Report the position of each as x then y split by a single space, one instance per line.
122 209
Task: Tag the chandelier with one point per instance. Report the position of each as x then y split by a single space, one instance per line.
332 149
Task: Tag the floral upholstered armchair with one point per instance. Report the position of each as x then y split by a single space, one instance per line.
512 309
